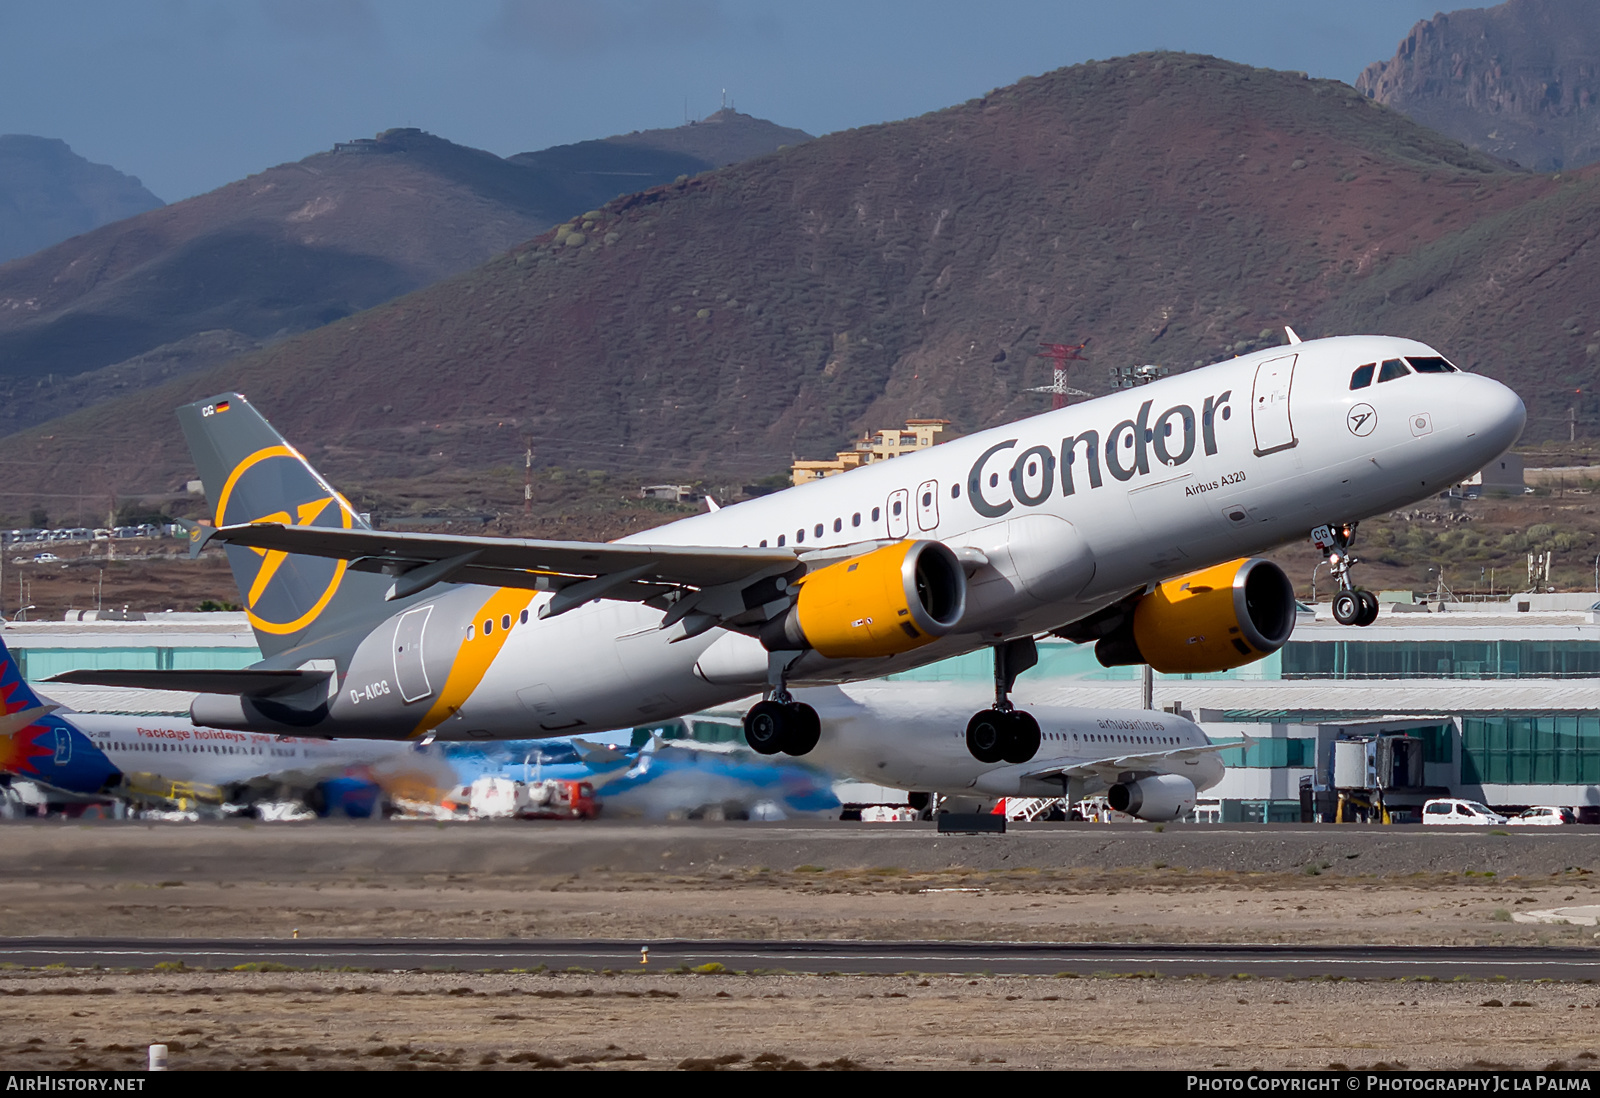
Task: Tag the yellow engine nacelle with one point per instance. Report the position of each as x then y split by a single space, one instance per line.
881 603
1211 620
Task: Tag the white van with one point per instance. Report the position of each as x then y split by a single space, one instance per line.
1454 812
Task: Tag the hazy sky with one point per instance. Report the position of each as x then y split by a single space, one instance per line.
190 94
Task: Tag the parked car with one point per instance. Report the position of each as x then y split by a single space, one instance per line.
45 558
1544 815
1453 811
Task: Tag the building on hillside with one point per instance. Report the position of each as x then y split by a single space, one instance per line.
1501 477
891 442
677 493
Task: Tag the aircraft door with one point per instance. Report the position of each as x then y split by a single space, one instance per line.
897 512
927 505
409 673
1269 405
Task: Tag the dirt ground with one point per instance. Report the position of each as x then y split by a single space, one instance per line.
341 1021
1076 883
709 881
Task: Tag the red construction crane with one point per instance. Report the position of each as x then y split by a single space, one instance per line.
1061 354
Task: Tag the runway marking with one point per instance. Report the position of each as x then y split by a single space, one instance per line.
1220 961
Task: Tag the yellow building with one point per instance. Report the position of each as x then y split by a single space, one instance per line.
891 442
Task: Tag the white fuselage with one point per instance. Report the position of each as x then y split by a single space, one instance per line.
1072 510
175 749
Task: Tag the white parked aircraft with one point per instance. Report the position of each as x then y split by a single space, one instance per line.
1121 521
912 735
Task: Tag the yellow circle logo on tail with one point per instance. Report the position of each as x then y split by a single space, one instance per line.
284 593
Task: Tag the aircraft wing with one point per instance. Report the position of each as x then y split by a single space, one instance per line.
1108 769
583 570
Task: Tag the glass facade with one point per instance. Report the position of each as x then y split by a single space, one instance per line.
1265 754
1313 659
1073 662
38 664
1260 812
1438 742
1531 749
1453 659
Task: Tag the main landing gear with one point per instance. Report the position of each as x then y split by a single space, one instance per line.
1004 733
780 723
1350 606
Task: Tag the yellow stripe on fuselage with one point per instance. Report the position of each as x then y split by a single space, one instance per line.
474 655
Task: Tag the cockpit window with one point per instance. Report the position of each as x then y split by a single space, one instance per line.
1363 376
1392 368
1431 365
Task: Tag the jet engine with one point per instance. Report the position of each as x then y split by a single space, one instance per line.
881 603
1211 620
1158 798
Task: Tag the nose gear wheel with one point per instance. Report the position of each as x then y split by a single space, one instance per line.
1350 605
1355 608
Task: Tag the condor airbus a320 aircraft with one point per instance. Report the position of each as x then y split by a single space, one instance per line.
1126 522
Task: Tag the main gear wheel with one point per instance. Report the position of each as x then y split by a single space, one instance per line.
790 727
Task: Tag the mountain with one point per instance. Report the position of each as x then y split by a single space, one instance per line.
302 244
1177 209
646 157
49 193
1521 80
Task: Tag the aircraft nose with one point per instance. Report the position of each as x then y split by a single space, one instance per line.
1492 413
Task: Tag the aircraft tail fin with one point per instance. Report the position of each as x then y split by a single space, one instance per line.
17 698
37 743
251 474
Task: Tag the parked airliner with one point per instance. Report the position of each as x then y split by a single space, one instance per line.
912 736
1127 522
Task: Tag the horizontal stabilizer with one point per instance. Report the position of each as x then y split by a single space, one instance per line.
248 683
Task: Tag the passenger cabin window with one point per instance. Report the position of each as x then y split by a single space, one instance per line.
1392 368
955 491
780 539
838 524
855 519
1430 365
897 507
818 530
799 536
875 513
1363 376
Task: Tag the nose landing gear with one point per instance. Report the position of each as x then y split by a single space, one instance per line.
1350 606
1005 733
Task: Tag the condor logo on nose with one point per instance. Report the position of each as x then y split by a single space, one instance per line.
283 593
1361 420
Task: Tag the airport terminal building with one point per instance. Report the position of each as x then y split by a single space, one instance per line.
1499 702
